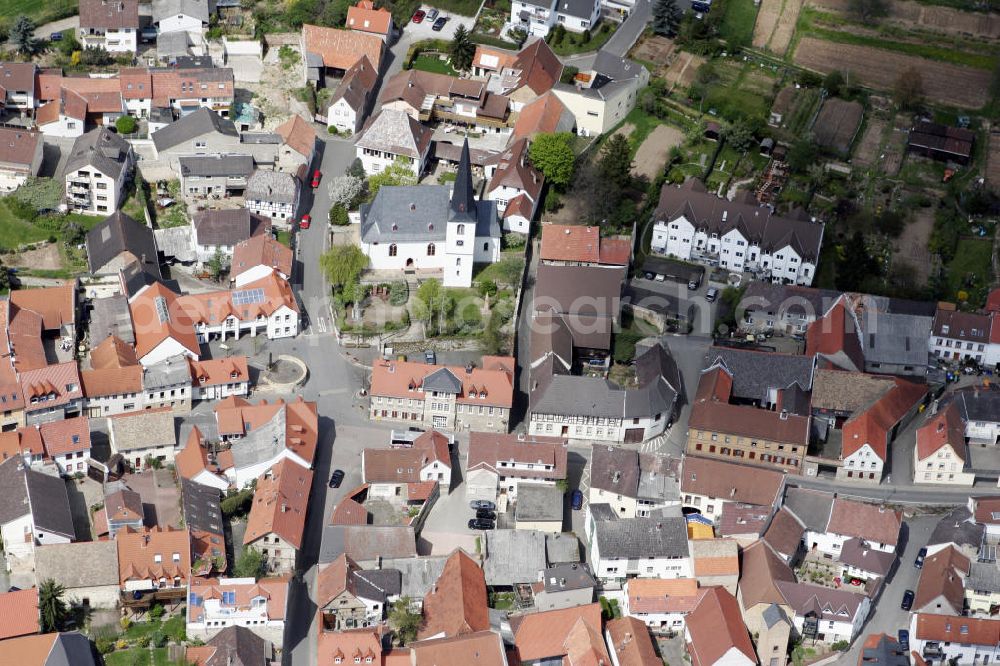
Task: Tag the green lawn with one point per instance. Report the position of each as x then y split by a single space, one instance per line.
574 42
738 19
285 237
430 63
41 12
15 231
969 271
138 657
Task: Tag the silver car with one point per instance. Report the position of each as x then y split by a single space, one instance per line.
432 14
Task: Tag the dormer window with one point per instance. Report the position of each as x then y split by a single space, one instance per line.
157 558
944 328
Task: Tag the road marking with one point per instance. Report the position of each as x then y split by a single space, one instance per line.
321 323
336 391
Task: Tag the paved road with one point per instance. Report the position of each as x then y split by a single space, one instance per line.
623 39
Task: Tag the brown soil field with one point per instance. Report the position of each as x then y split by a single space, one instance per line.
911 246
993 160
776 24
44 258
655 49
866 154
943 82
683 69
911 14
652 154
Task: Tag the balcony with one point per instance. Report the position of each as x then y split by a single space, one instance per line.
78 189
144 598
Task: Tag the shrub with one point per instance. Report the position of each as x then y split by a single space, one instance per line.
105 644
158 638
840 646
126 125
339 216
332 130
143 641
399 293
156 613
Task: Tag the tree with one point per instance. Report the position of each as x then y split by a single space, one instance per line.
569 74
397 173
462 50
342 264
856 264
833 82
339 216
51 606
666 17
909 88
801 154
96 57
615 165
428 300
68 44
868 10
23 35
403 620
346 191
216 265
552 154
126 125
250 564
740 136
357 169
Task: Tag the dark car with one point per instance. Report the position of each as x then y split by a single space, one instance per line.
483 504
919 562
336 478
479 524
576 501
907 600
55 37
439 23
904 640
419 15
485 514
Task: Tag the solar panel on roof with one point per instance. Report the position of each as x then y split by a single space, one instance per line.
161 309
248 296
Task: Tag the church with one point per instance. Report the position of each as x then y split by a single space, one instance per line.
432 230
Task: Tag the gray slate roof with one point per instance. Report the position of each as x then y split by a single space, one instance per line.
119 233
100 149
262 443
70 649
537 502
443 380
513 556
811 507
755 373
567 577
201 122
958 527
142 430
377 584
395 132
365 543
14 498
899 339
198 9
201 507
642 537
50 503
75 565
419 574
175 242
217 165
887 652
166 373
274 186
238 646
562 548
418 213
110 316
981 405
173 44
983 576
578 8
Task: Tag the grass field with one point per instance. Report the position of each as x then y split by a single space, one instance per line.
737 22
972 260
574 43
138 657
430 63
39 10
15 231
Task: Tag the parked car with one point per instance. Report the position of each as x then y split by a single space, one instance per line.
919 562
439 24
711 294
433 14
576 501
477 524
317 174
483 504
904 640
55 37
907 600
306 221
485 514
418 16
692 284
336 478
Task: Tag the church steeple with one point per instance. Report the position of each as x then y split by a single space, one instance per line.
463 197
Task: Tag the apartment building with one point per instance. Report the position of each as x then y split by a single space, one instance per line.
98 168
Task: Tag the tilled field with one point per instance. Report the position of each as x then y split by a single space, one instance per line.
776 24
942 82
948 20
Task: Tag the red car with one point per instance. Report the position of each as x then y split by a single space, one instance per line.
306 221
419 15
316 176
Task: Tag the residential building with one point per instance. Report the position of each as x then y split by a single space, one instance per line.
364 17
785 535
330 51
708 485
955 639
34 512
113 26
220 230
650 547
258 257
523 76
428 459
393 136
483 647
515 556
368 545
350 597
143 437
214 175
825 614
958 336
201 133
766 612
632 484
569 635
20 156
960 529
55 306
51 393
262 435
571 327
447 397
538 17
202 508
267 306
716 562
498 464
154 565
66 444
539 508
662 604
982 588
515 183
715 634
602 96
563 586
162 329
273 194
55 649
258 605
941 589
545 114
352 99
20 87
980 410
456 605
298 145
97 169
354 647
941 454
277 518
215 379
861 537
196 464
118 241
87 570
190 16
167 385
122 508
231 645
695 225
883 650
431 96
786 308
575 245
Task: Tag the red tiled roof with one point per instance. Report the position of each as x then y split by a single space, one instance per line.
661 595
111 381
715 627
942 575
151 328
957 629
364 17
363 646
280 503
865 521
615 251
261 250
539 65
946 428
219 371
61 380
138 551
274 589
629 640
730 481
215 307
836 332
541 116
546 634
113 352
193 458
349 512
236 416
56 305
492 58
457 603
66 436
19 614
872 426
571 242
298 134
340 49
486 450
404 379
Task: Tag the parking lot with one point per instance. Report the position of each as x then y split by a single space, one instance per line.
417 31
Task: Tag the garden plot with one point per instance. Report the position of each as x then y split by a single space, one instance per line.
683 69
911 246
657 50
652 154
993 160
912 14
867 152
776 24
944 83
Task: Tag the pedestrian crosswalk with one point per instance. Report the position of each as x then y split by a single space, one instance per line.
653 445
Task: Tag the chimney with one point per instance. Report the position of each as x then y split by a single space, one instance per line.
468 369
